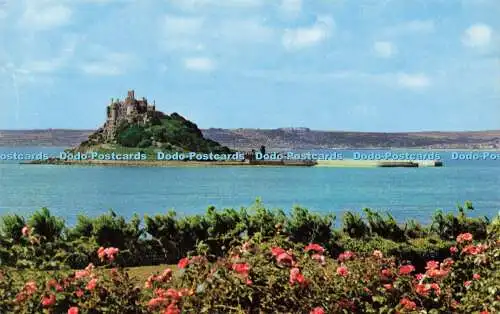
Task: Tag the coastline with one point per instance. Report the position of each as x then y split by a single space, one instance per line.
162 163
347 163
137 163
280 149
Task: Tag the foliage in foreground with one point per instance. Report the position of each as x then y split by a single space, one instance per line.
268 276
167 238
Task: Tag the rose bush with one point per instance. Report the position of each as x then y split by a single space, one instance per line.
43 241
273 275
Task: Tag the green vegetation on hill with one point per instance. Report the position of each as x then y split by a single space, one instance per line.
167 132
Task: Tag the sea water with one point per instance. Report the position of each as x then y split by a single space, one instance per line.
405 192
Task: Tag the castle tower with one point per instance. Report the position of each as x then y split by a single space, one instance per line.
113 113
108 109
131 94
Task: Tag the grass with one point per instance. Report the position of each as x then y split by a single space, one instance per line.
138 274
141 273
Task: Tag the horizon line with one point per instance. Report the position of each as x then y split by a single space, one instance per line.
278 128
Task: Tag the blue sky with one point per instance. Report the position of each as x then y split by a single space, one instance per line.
364 65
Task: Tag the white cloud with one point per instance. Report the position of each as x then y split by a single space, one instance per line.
194 34
181 44
236 3
411 27
102 1
45 15
413 81
3 10
29 73
308 36
112 64
387 79
43 66
201 4
180 33
479 2
423 26
385 49
201 64
295 76
36 65
176 25
247 30
477 36
291 7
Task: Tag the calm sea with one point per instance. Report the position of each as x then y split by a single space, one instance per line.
406 192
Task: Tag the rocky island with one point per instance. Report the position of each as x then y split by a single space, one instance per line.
136 134
133 123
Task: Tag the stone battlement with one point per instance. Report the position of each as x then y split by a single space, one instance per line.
129 110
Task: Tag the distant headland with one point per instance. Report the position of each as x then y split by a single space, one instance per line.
136 123
283 139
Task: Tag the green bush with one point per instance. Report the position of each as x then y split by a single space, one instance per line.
83 228
6 257
176 237
112 230
131 136
386 228
448 226
166 238
40 255
414 229
191 231
354 226
144 143
486 289
260 220
494 227
225 228
11 226
305 227
163 229
46 225
267 276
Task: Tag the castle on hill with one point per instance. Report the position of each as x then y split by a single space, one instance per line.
129 110
134 123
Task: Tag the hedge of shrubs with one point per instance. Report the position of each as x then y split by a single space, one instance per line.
167 238
269 275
